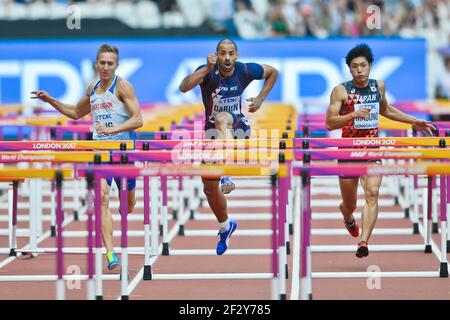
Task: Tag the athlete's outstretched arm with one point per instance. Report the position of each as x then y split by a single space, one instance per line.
334 120
75 112
395 114
271 76
127 94
196 78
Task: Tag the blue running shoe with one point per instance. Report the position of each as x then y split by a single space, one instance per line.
226 185
113 260
222 246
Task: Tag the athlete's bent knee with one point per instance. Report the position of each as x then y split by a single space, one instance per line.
372 194
221 121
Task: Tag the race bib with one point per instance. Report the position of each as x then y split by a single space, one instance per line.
370 122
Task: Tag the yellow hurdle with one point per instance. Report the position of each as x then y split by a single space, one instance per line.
44 173
64 156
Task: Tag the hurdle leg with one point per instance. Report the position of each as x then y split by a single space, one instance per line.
39 196
434 202
33 217
124 238
448 210
147 267
282 198
415 212
443 271
275 253
180 197
186 194
90 286
154 214
288 224
98 238
76 200
305 255
10 219
52 210
12 214
408 196
60 283
427 216
175 202
295 273
198 192
191 198
164 217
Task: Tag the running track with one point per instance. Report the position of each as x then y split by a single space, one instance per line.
249 198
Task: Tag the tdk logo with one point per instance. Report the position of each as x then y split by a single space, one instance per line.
103 117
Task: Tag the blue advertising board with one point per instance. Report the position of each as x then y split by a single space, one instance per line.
309 68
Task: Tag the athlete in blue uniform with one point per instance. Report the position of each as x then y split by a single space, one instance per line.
222 81
115 114
355 107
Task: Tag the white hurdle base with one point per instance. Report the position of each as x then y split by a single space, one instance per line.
54 277
141 251
338 216
212 276
371 275
208 252
379 231
372 248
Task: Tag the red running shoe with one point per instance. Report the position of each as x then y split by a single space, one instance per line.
352 228
363 249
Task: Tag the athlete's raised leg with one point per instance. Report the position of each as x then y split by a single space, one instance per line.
224 124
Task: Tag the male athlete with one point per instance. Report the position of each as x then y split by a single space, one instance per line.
355 107
222 81
115 115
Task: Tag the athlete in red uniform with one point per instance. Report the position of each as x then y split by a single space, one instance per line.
355 107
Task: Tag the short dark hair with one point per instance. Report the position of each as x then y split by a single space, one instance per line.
226 40
361 50
108 48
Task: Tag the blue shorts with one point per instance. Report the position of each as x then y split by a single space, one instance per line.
131 183
240 128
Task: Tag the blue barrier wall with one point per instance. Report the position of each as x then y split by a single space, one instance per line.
309 69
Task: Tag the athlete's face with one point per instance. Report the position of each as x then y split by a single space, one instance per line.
106 65
226 57
360 69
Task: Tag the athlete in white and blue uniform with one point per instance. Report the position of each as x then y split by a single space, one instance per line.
108 111
222 81
115 114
